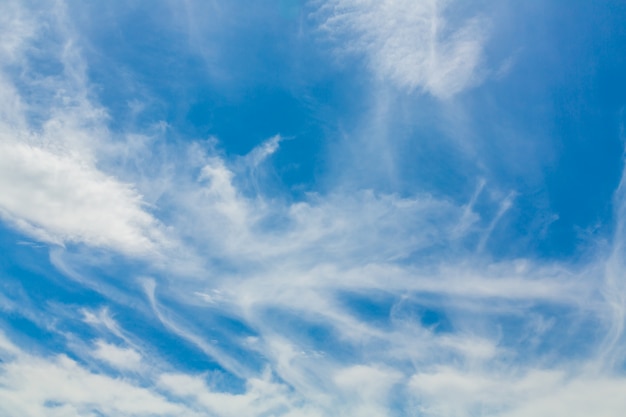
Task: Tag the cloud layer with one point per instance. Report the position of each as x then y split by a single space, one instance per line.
185 285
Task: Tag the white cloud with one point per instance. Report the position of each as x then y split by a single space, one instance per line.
411 43
52 186
454 393
601 397
32 386
283 270
61 199
360 244
262 397
367 386
123 358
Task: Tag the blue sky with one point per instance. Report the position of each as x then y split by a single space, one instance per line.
312 208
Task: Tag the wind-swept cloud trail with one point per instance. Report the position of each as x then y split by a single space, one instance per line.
223 298
279 292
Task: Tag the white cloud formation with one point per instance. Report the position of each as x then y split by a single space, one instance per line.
367 386
599 396
52 187
123 358
61 199
354 302
411 43
364 245
33 386
262 397
454 393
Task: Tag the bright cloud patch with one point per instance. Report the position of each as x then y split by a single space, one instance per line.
58 199
410 43
124 358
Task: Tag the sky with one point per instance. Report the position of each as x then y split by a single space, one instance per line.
312 208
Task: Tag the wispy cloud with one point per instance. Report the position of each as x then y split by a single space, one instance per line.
51 185
346 301
413 44
34 386
61 199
